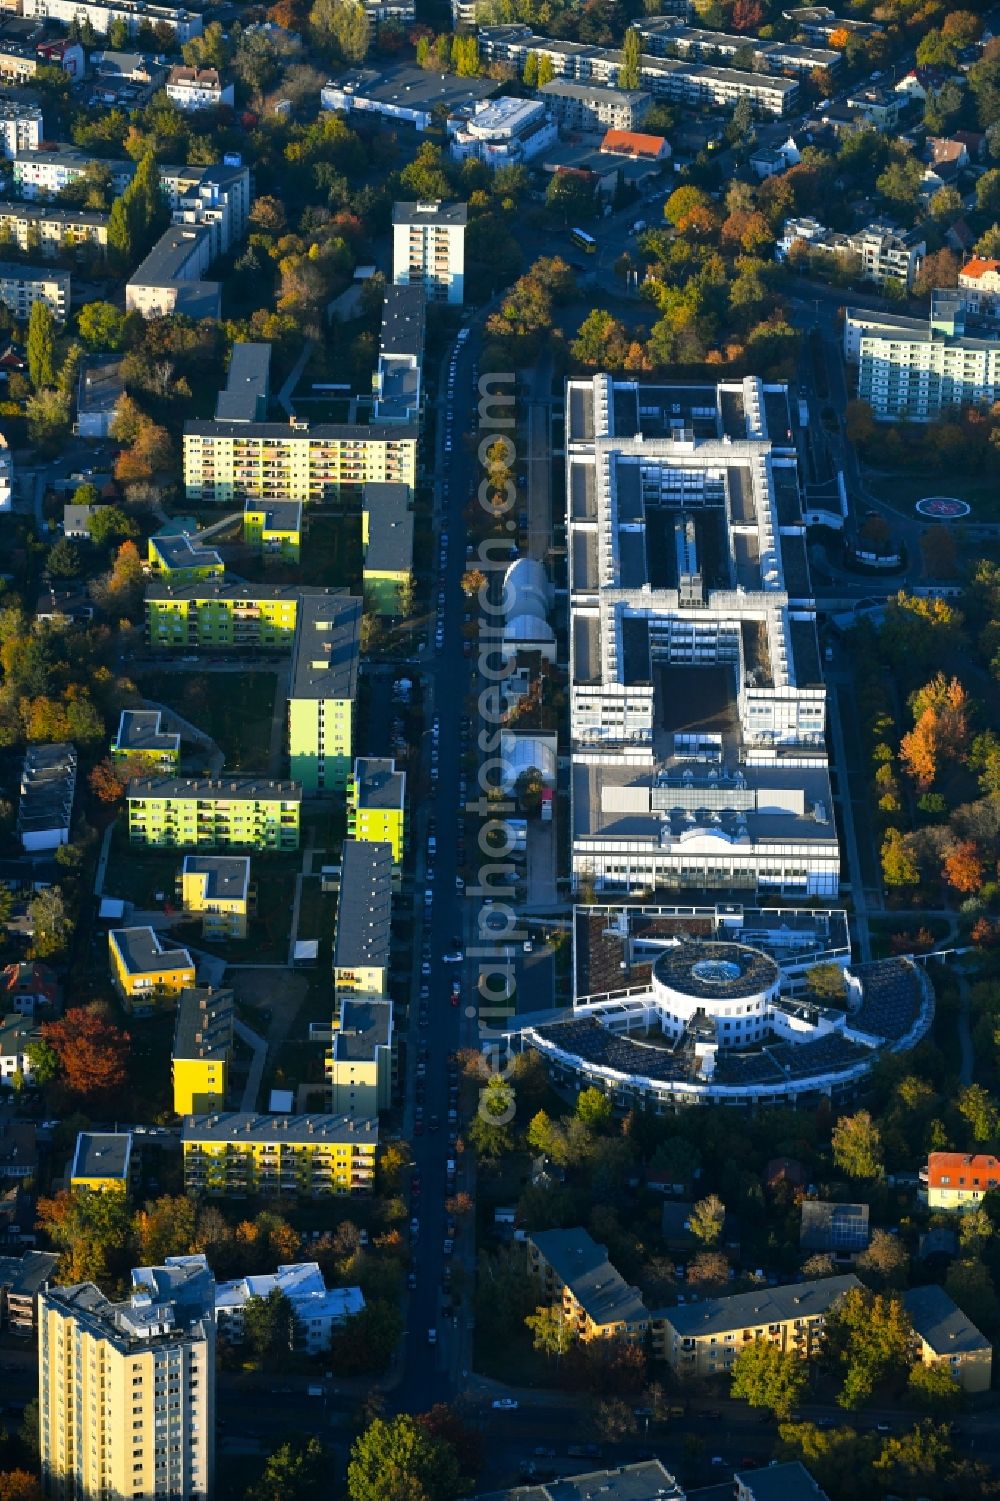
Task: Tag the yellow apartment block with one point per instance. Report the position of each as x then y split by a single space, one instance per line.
126 1395
376 804
102 1161
944 1336
359 1064
203 1045
275 527
308 1156
703 1339
147 970
573 1273
217 889
269 461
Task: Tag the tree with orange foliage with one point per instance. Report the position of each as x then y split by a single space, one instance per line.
109 779
92 1052
940 731
18 1485
838 39
747 15
749 229
963 867
985 933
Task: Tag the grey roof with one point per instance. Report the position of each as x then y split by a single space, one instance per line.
323 432
18 271
247 386
379 784
941 1323
833 1227
204 1027
226 789
228 875
432 212
568 88
185 1281
223 588
764 1305
364 905
238 1125
139 730
48 783
648 1480
24 1276
36 213
403 318
77 518
583 1266
279 515
181 551
142 951
327 646
100 387
390 527
780 1482
411 88
131 1326
102 1154
365 1026
169 255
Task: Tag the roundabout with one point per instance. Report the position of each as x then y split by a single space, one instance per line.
943 508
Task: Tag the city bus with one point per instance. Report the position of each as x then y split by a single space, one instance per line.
584 240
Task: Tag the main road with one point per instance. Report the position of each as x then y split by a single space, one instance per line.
431 1372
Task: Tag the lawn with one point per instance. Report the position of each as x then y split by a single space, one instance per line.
902 491
333 546
141 875
235 709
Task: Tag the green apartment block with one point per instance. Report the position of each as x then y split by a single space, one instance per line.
322 690
219 613
200 813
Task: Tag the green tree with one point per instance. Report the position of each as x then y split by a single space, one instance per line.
979 1108
934 1388
398 1460
968 1281
766 1376
530 75
345 25
857 1146
827 983
268 1328
165 1227
551 1332
295 1472
901 182
868 1339
836 1458
593 1108
51 924
911 1463
110 524
490 1132
364 1343
101 326
571 196
707 1219
65 561
44 1062
41 345
988 193
899 864
629 73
